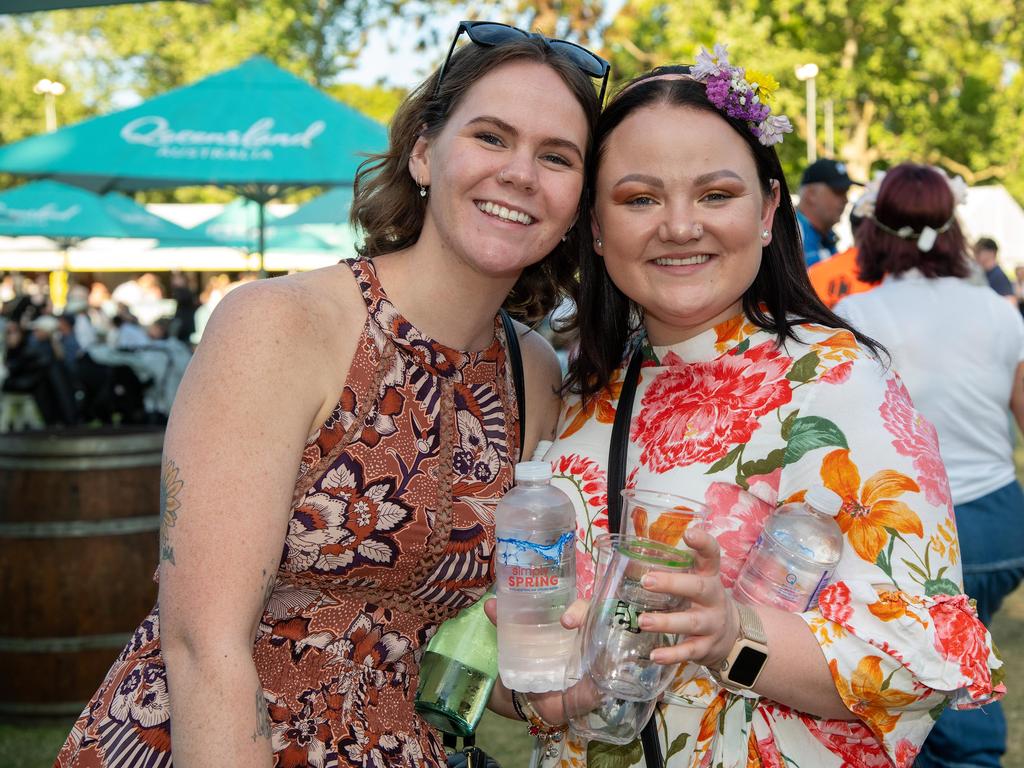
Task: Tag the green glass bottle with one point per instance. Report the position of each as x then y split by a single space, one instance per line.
458 671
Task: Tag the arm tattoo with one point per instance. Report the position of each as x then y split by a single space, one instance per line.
170 503
262 717
268 588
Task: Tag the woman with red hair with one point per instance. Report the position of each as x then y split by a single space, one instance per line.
960 351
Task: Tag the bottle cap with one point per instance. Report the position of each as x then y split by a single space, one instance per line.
533 470
824 500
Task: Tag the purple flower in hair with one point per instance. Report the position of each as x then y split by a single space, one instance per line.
730 91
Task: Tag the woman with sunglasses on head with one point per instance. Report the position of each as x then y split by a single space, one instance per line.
707 363
336 450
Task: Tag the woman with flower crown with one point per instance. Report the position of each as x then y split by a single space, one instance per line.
749 392
960 349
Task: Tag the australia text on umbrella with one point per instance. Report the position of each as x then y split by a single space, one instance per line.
251 144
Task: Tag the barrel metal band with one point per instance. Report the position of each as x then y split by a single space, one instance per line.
63 644
77 463
53 709
66 529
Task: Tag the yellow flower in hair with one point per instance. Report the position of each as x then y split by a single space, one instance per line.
765 84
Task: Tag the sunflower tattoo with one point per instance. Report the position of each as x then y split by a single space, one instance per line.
170 487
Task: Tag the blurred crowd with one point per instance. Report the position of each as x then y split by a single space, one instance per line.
109 355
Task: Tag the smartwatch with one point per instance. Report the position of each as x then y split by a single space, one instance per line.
744 662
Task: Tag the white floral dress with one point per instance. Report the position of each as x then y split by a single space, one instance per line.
733 420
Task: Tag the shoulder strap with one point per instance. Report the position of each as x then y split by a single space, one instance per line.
617 449
619 443
515 357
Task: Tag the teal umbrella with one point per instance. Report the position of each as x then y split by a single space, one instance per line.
69 214
237 226
326 217
255 128
30 6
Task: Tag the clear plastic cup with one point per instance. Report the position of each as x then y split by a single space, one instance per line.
660 516
615 651
595 715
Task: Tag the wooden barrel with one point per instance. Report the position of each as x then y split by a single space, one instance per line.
79 528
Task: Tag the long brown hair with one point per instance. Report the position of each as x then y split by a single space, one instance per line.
387 204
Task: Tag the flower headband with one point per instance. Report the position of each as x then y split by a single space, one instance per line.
741 94
864 207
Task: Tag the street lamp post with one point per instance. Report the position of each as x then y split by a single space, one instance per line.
808 73
49 90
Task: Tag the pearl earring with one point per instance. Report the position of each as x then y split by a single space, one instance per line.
764 234
599 243
423 191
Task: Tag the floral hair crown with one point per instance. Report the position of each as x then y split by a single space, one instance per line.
864 207
742 94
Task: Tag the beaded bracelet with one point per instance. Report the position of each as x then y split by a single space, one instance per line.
549 735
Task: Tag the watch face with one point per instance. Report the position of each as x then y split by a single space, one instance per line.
747 666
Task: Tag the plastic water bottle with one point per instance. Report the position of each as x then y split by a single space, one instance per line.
795 555
458 671
536 580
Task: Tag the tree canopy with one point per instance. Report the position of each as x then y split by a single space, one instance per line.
918 80
914 80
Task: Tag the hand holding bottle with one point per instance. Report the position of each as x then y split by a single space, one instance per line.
549 704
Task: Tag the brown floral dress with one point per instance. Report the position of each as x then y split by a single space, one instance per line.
391 533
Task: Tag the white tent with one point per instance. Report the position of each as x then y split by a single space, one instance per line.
992 212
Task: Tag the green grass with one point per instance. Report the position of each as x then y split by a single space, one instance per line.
32 746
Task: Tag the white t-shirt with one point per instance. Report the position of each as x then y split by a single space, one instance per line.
956 347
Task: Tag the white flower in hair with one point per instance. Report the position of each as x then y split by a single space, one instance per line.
864 206
958 187
773 128
709 64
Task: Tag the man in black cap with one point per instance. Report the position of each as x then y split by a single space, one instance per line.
823 189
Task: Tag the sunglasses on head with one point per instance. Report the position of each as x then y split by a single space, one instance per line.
491 33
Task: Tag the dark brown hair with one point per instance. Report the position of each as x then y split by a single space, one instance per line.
781 295
915 196
387 204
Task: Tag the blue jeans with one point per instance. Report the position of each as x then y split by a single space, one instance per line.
991 532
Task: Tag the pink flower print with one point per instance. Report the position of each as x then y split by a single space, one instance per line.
768 752
736 518
906 753
961 638
592 486
850 740
834 603
838 374
915 438
696 413
584 574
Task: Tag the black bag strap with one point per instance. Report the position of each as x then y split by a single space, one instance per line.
617 450
515 357
619 443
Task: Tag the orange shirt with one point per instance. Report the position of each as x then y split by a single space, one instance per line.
837 277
